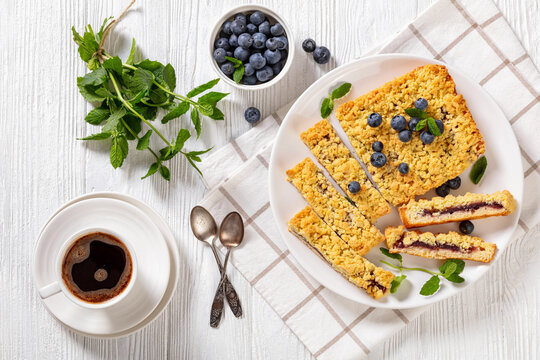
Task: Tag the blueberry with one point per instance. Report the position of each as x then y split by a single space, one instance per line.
374 120
398 123
233 41
257 18
252 29
377 146
219 55
272 43
426 137
321 55
259 40
421 104
309 45
378 159
272 57
240 17
227 68
282 42
354 187
403 168
241 54
252 115
249 80
257 61
229 53
265 74
454 183
245 40
238 27
265 28
405 135
248 69
413 122
277 67
277 29
442 190
227 28
466 227
222 43
440 125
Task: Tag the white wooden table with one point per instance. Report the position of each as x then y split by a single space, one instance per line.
42 166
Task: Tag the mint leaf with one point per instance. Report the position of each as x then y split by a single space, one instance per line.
96 77
138 97
113 64
144 141
167 153
216 114
237 63
450 269
165 173
455 278
158 96
169 76
202 88
396 283
178 111
152 170
341 91
100 136
432 127
431 286
478 170
141 80
181 138
414 112
89 92
386 252
104 92
326 107
460 265
114 120
97 116
212 98
206 109
421 125
196 120
238 74
150 65
117 154
190 159
131 55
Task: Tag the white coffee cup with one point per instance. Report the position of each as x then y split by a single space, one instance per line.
59 285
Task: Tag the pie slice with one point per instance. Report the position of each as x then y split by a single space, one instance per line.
318 236
342 216
331 152
429 165
440 210
438 246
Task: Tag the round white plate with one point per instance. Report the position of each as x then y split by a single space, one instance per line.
150 249
504 171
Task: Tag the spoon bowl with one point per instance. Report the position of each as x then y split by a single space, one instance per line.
203 225
231 231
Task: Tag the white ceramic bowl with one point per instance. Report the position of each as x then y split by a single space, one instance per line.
274 18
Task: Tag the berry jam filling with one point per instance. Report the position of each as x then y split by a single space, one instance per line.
472 206
400 245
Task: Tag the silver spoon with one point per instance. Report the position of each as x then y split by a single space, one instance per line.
205 229
231 234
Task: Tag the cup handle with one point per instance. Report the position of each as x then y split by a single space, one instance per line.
49 290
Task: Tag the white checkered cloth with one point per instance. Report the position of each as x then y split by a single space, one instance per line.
476 39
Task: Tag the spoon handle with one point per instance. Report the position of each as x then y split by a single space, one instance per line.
217 308
230 292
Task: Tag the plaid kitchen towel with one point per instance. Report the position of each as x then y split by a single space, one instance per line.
473 37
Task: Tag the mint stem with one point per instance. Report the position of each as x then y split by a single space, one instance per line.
401 268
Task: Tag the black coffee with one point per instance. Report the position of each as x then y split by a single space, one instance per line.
97 267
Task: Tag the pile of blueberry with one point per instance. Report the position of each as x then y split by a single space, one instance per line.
257 41
321 54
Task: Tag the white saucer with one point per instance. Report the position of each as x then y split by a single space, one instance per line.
149 234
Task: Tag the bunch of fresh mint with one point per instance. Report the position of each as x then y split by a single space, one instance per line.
449 270
128 94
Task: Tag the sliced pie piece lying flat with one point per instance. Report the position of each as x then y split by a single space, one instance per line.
342 216
440 210
331 152
438 246
430 165
318 236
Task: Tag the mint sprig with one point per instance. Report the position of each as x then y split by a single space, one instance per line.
327 104
128 94
449 270
478 170
239 69
425 121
